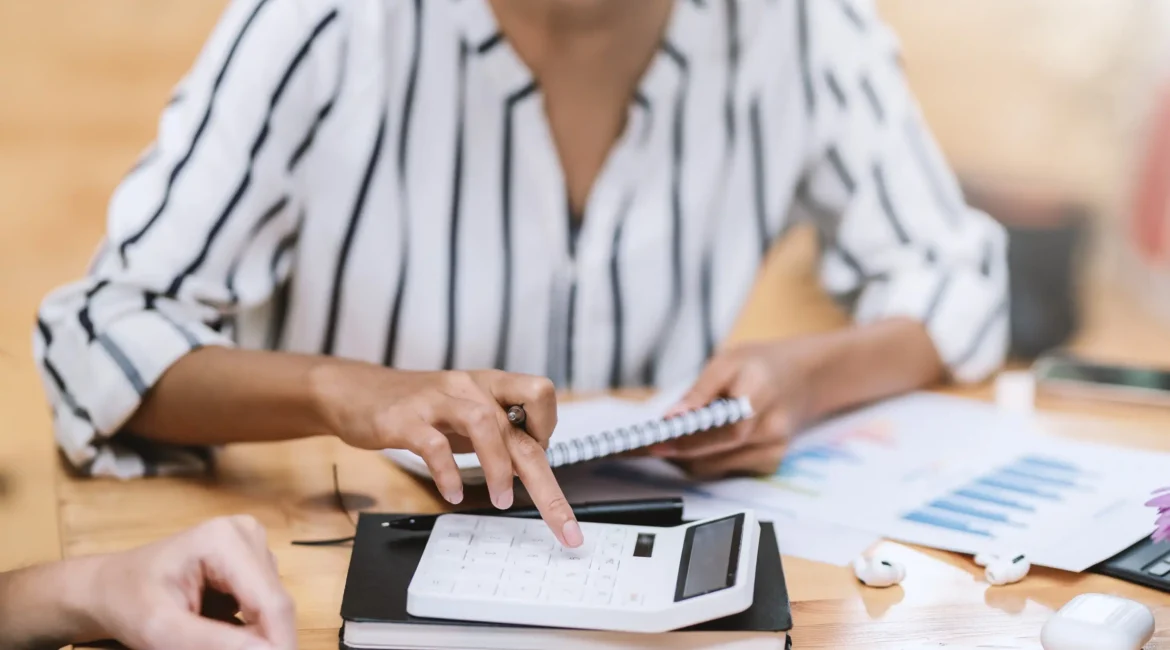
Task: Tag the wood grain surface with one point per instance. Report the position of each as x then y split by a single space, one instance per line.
81 83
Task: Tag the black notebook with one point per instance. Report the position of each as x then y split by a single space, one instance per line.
374 607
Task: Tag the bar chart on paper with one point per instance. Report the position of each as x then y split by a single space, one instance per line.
1029 492
808 468
961 476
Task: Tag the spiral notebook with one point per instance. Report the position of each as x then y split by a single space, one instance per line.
596 429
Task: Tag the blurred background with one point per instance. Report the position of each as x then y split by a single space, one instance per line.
1056 114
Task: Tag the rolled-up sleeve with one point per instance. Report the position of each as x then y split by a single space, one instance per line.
897 238
191 232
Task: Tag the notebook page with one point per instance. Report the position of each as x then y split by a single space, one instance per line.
577 420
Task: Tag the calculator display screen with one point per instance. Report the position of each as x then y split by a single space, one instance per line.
710 556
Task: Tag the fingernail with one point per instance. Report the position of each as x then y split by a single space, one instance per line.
503 500
455 498
663 451
572 533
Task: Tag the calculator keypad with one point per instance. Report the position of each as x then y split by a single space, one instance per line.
520 560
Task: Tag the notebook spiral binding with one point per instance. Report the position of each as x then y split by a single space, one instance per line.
716 414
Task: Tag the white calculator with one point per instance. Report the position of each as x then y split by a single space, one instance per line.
623 579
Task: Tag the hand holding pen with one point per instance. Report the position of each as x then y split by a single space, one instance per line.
505 418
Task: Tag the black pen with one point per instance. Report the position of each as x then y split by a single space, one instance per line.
517 416
643 512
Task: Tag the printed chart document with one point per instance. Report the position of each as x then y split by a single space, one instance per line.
961 475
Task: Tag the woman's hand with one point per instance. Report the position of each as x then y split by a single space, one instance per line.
775 378
437 414
797 381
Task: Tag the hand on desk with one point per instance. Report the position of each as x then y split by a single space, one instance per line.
151 598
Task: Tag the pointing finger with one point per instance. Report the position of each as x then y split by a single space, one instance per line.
532 466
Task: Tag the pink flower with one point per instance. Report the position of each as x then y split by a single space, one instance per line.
1161 501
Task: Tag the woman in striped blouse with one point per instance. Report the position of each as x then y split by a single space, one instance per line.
351 204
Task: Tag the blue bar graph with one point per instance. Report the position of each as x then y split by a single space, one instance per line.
1018 473
995 500
1050 463
929 519
811 462
821 453
962 509
1001 484
1010 496
788 470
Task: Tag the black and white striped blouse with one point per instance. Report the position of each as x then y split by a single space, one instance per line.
376 179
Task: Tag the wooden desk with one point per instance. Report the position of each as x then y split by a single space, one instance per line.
119 59
288 487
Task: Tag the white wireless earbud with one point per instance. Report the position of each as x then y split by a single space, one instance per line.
876 572
1007 570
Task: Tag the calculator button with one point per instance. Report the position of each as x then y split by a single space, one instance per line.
537 536
611 549
568 561
530 544
527 558
598 596
476 588
563 593
480 572
448 552
608 565
455 537
590 527
523 591
435 585
490 555
601 581
568 576
501 526
492 539
526 575
628 598
579 553
537 529
615 535
457 523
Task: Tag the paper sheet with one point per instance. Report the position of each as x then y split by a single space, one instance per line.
803 537
591 417
963 476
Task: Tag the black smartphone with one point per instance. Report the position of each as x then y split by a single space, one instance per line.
1075 377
